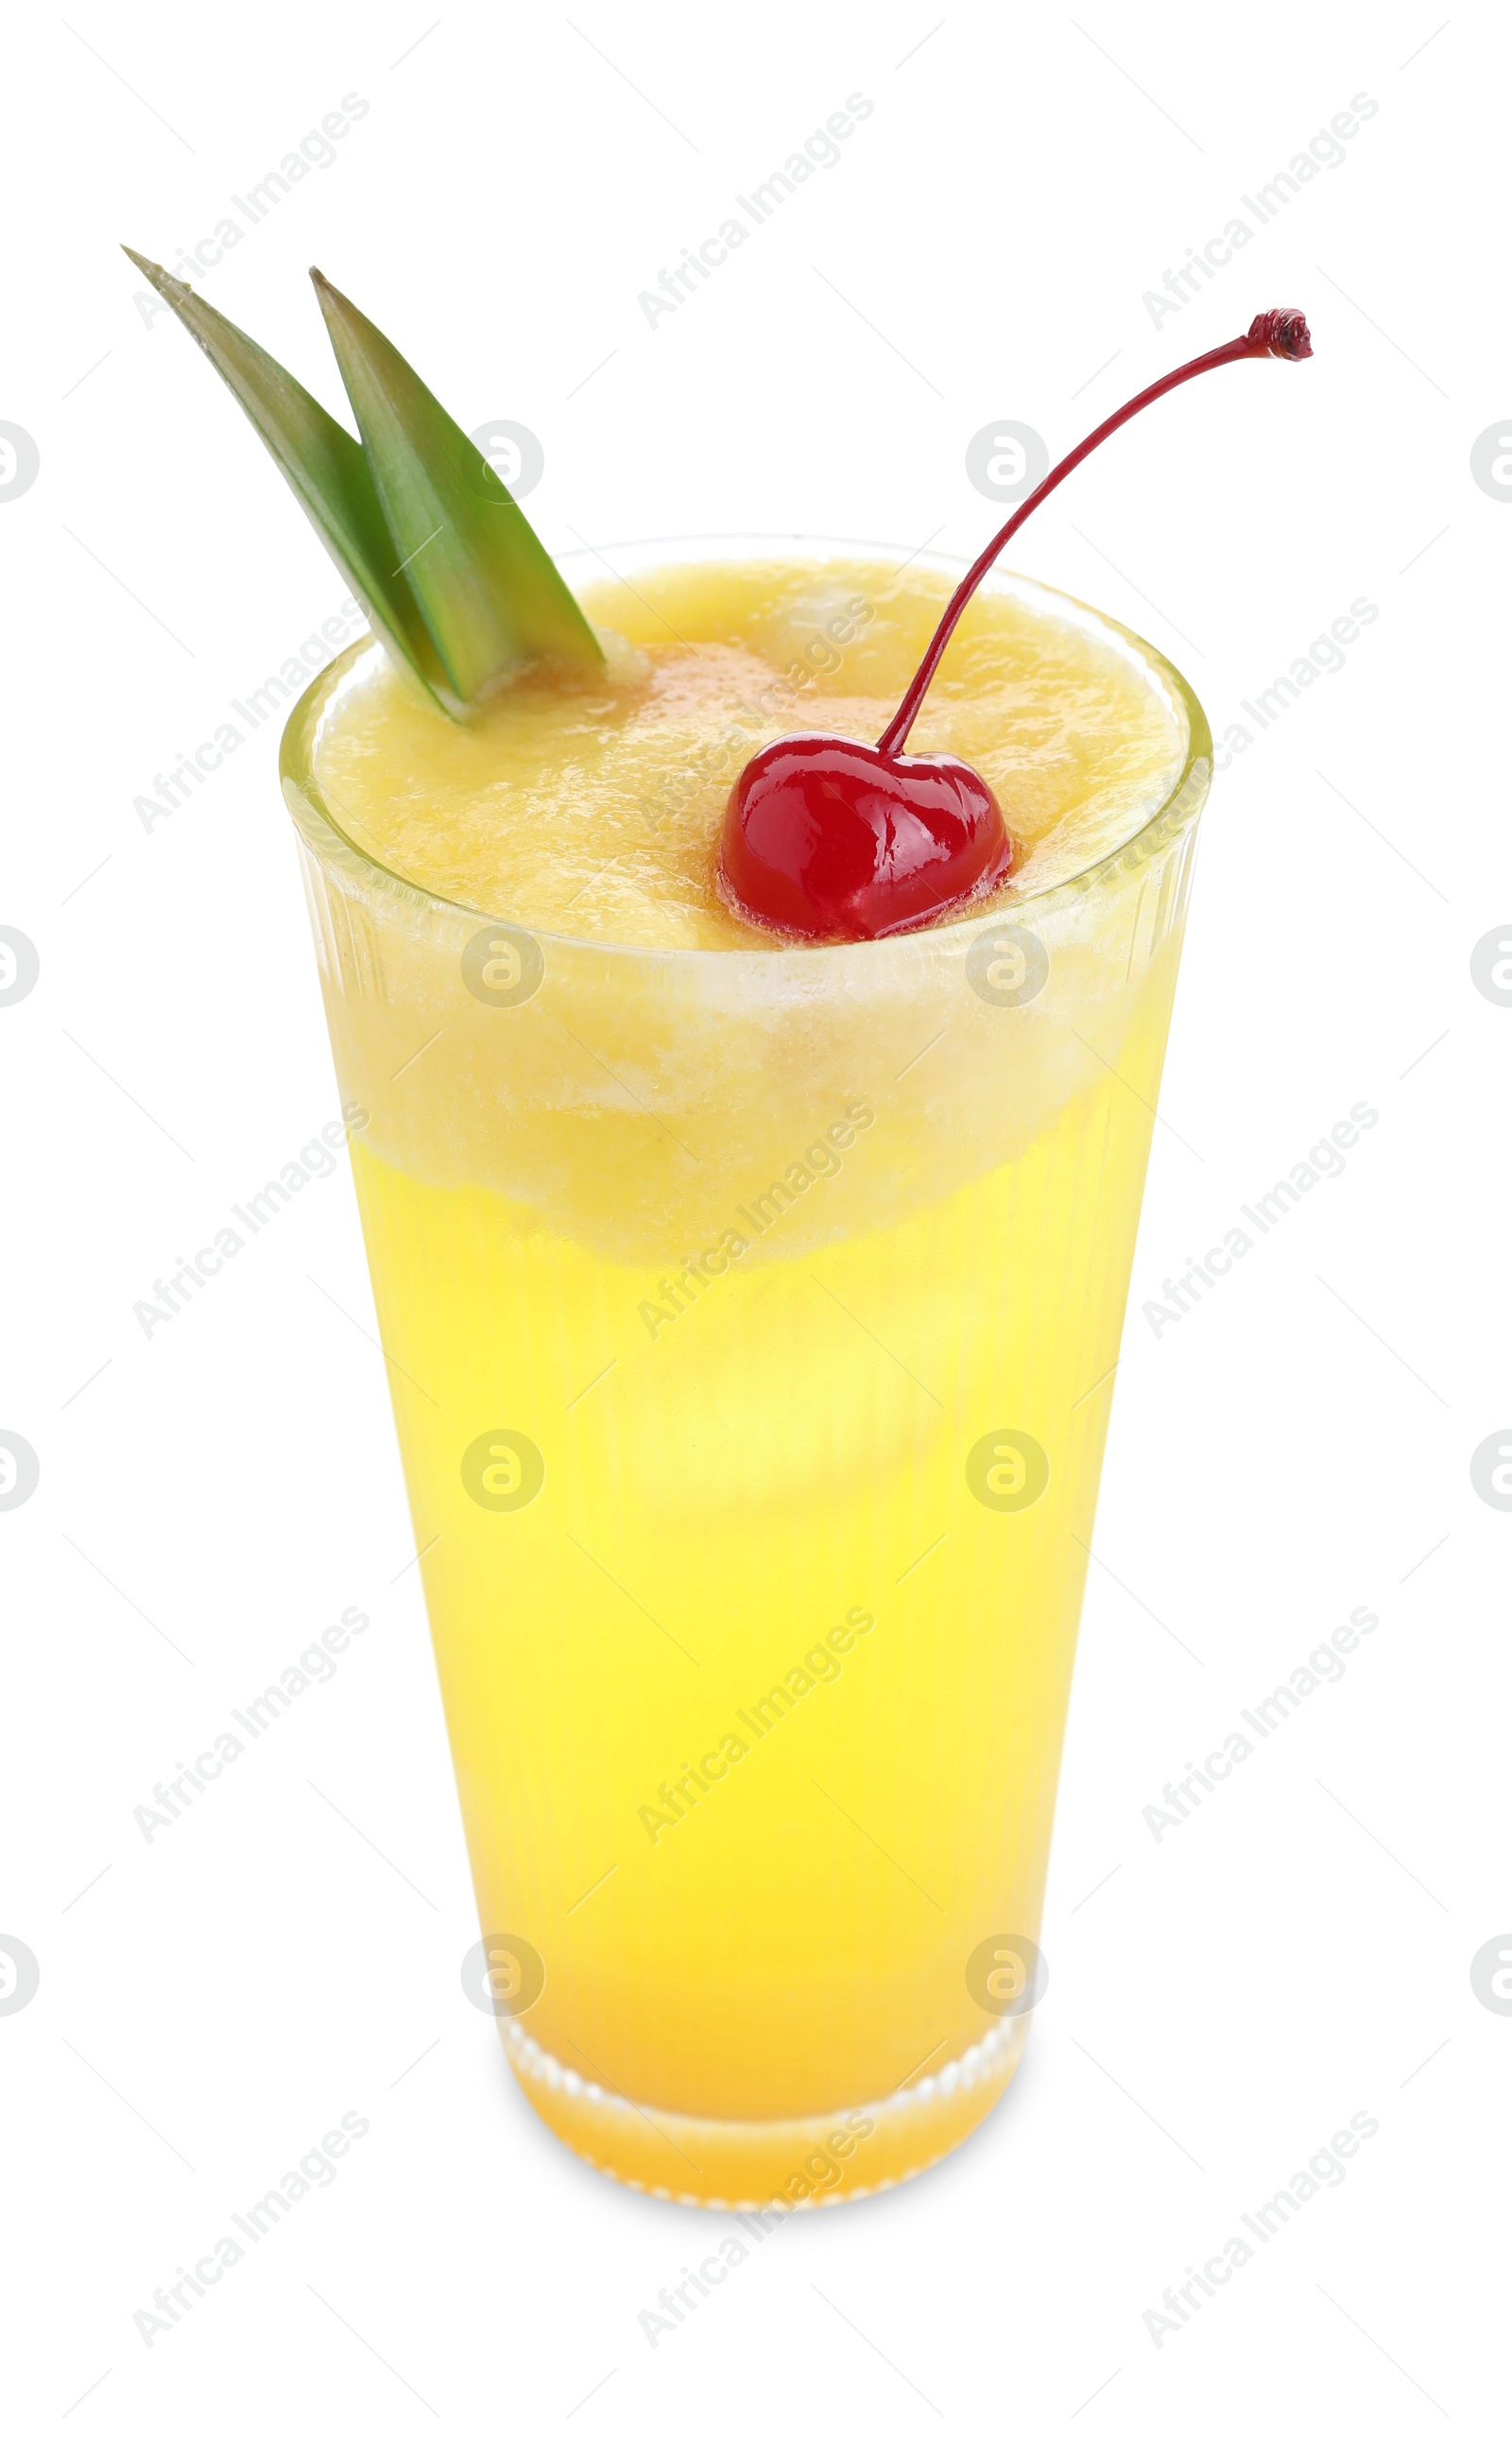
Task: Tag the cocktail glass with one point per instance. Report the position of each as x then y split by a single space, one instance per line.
751 1319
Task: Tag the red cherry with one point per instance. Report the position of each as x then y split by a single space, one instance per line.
828 839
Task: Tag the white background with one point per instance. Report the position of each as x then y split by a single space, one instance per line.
1297 1447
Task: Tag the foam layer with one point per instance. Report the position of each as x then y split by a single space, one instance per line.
594 813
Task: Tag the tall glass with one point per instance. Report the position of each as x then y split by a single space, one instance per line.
750 1321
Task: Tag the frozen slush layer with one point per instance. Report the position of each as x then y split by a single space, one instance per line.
595 812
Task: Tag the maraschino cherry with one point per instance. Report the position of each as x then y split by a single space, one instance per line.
826 839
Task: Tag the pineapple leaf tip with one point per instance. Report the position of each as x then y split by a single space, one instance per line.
465 615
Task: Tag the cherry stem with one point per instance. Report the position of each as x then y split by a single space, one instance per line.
1282 332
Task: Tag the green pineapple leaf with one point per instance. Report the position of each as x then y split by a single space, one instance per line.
323 466
489 594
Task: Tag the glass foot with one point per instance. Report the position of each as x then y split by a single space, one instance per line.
781 2162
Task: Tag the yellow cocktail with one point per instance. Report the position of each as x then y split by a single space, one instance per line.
751 1313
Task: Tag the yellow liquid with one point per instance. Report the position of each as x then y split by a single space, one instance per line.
755 1664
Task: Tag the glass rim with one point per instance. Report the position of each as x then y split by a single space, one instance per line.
1179 806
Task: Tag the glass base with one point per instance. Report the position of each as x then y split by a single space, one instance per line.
781 2162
